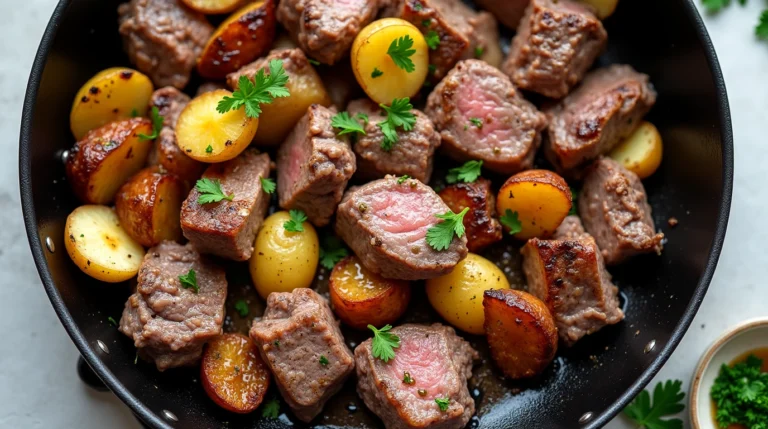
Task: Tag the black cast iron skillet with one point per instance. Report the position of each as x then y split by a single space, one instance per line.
587 385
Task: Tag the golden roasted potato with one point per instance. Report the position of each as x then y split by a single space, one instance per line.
106 157
641 152
482 229
99 246
213 7
604 8
374 68
206 135
169 155
282 260
360 297
458 296
148 206
243 37
233 374
521 332
112 94
540 198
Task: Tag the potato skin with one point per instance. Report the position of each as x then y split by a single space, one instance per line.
641 152
521 332
541 198
148 206
243 37
457 296
360 297
106 157
481 227
213 7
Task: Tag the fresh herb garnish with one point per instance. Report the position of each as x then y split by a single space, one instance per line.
402 179
157 125
210 191
347 124
398 115
323 360
362 117
477 122
242 307
510 220
271 409
295 224
467 173
479 51
189 281
112 321
432 39
574 200
741 394
268 185
331 252
209 149
443 403
426 23
761 29
667 400
313 62
762 26
376 73
400 50
418 7
384 343
407 379
134 113
440 236
252 94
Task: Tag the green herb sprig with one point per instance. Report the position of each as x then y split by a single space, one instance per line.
667 401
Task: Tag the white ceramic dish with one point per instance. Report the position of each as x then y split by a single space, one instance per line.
749 335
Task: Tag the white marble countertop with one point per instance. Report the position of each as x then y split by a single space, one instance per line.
39 387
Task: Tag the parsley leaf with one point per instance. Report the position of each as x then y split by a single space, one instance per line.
331 252
510 220
112 321
242 307
323 360
574 200
477 122
157 125
443 403
384 343
398 115
407 379
210 191
271 409
298 217
667 398
467 173
479 51
313 62
440 236
741 394
189 281
252 94
400 51
432 39
715 5
209 149
134 113
376 73
362 117
402 179
346 124
268 185
762 27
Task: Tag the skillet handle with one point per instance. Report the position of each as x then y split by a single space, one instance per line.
89 377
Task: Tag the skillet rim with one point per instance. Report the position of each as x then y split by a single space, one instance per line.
148 417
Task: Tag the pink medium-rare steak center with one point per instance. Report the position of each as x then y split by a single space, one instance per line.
423 360
402 212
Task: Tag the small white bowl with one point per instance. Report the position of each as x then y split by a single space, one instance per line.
749 335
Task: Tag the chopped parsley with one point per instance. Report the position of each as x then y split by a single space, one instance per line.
574 200
252 94
398 115
313 62
667 400
418 7
189 281
331 252
209 149
400 50
271 409
268 185
407 379
467 173
376 73
347 124
432 39
211 192
477 122
362 117
402 179
479 51
443 403
741 394
426 23
510 220
112 321
134 113
295 224
242 307
384 343
761 30
323 360
440 236
157 125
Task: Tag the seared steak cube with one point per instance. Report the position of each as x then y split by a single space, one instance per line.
555 45
412 155
437 361
481 115
569 276
570 229
228 228
170 102
163 38
385 223
604 109
325 29
168 322
314 166
482 228
300 341
615 210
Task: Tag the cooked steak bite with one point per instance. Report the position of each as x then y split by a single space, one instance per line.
297 331
508 12
482 228
163 38
481 115
570 229
209 87
615 210
325 29
228 228
169 323
314 166
569 275
412 154
555 45
439 363
591 120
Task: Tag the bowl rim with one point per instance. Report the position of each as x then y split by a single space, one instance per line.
705 362
149 417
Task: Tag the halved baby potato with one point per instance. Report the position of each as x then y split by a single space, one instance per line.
149 205
233 374
641 152
360 297
243 37
374 68
604 8
112 94
206 135
521 332
99 246
541 199
213 7
107 157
